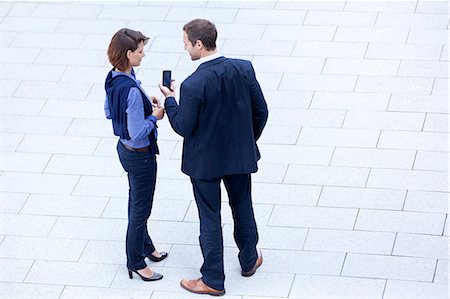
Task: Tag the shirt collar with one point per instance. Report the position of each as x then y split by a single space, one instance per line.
209 57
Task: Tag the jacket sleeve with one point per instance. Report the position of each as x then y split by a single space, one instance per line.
183 117
260 112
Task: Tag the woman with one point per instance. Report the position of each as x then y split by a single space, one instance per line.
134 121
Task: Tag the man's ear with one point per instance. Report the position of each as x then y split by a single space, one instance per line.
199 44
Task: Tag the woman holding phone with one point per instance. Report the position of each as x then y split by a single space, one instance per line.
134 117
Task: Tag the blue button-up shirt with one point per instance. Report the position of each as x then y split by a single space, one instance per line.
139 127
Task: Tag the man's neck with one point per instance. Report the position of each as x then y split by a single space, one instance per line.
208 53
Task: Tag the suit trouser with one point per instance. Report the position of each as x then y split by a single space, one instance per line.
141 170
208 198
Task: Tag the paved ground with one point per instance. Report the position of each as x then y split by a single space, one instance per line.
352 194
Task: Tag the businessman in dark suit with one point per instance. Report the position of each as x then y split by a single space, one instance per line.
221 114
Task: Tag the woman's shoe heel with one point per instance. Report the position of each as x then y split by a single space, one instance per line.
154 277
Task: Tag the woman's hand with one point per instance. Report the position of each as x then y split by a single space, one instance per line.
158 112
155 102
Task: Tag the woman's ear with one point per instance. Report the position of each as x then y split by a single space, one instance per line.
129 54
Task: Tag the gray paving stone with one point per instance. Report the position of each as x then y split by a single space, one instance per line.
66 11
436 161
428 36
315 217
330 49
371 34
382 199
20 266
436 123
12 202
101 186
22 290
32 72
295 154
311 5
58 144
419 103
306 118
423 20
27 162
243 4
308 65
353 66
19 24
411 289
395 85
336 83
328 176
384 120
442 270
408 179
84 165
349 241
285 194
421 201
28 55
53 90
440 87
22 106
279 135
265 16
271 237
398 221
38 183
426 141
350 101
336 287
389 6
403 51
50 272
373 158
10 141
138 12
257 47
341 18
35 125
64 205
89 228
389 267
223 15
74 292
42 248
421 246
300 33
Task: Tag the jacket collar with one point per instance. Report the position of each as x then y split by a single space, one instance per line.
211 62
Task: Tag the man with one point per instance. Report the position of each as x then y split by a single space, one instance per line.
221 115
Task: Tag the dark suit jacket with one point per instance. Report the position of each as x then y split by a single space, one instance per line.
221 115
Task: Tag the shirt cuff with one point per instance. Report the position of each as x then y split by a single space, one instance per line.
153 119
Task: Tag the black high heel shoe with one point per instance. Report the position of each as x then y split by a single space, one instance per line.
158 259
155 276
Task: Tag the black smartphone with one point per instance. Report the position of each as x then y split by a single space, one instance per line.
167 78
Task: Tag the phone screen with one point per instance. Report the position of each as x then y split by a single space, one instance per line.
167 77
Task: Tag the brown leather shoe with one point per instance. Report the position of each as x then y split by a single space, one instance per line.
258 263
197 286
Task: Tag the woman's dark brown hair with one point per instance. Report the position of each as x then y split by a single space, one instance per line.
125 39
204 30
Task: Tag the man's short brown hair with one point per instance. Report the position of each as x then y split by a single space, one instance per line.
203 30
125 39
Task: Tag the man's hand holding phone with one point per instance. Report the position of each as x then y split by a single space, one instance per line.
167 87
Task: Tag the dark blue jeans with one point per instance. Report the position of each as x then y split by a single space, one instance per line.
141 170
207 196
